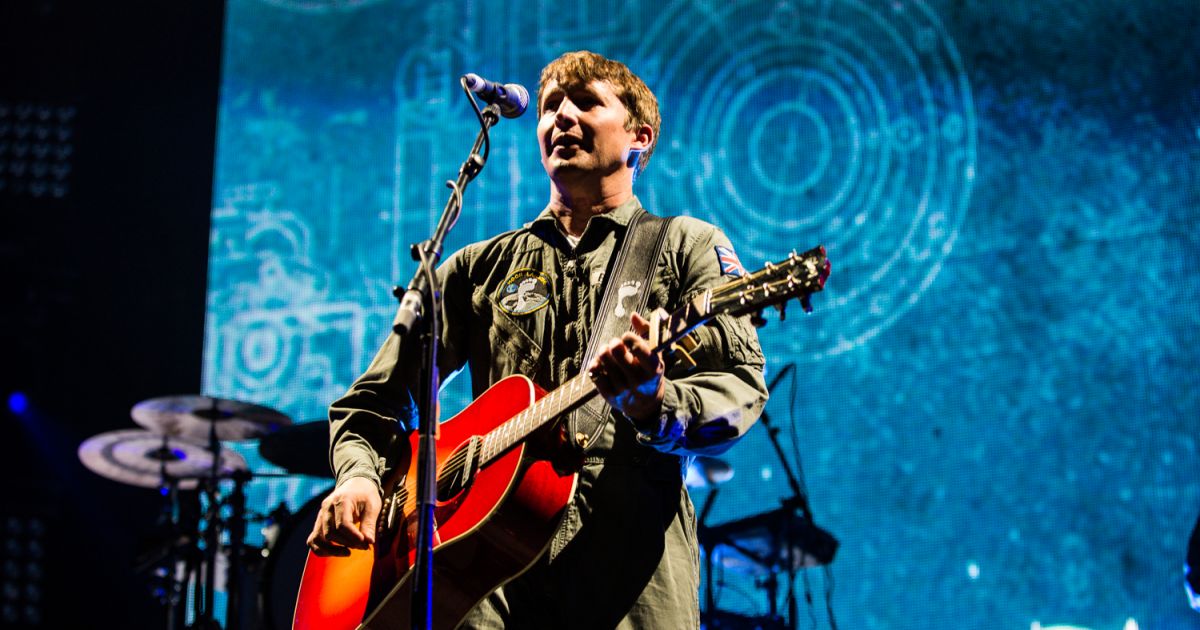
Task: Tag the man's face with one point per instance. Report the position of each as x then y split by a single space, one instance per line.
582 130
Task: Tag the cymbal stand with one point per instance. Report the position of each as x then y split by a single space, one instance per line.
172 559
237 536
193 562
771 585
701 526
798 500
212 533
173 587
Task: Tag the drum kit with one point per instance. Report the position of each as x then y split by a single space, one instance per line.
201 536
179 451
763 547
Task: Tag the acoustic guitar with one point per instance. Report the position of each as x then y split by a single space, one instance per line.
499 500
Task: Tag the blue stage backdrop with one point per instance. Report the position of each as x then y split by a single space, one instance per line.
995 399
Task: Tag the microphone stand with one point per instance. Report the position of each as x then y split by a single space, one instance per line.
420 306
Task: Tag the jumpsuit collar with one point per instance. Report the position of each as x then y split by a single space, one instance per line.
546 223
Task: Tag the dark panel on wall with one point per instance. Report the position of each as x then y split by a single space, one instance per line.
107 117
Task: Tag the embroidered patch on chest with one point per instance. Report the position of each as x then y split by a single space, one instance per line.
524 292
730 265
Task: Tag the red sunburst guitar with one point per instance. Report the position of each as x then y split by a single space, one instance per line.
499 503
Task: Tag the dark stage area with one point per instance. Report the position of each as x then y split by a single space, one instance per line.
992 407
107 120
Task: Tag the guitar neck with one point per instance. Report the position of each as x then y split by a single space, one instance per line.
797 276
566 397
580 389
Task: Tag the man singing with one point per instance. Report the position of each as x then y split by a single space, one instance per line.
525 302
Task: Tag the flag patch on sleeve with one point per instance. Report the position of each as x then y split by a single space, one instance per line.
730 265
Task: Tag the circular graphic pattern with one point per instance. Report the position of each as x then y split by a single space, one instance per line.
839 122
264 350
321 6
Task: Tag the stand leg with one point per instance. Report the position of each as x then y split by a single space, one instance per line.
237 536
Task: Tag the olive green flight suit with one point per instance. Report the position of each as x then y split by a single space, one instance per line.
524 302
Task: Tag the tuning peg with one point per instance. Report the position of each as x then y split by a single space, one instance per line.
806 303
757 319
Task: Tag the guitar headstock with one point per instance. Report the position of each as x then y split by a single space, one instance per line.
797 276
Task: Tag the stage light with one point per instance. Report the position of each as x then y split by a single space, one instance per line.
18 403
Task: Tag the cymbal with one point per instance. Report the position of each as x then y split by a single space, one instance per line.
705 472
301 449
763 543
138 458
193 416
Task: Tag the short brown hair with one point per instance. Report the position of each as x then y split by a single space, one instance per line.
579 68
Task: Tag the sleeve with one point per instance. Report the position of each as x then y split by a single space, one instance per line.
707 408
364 441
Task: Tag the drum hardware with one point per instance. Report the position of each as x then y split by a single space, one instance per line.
707 472
773 541
203 417
153 460
300 449
180 453
272 523
780 541
171 555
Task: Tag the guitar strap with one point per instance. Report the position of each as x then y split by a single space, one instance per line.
633 268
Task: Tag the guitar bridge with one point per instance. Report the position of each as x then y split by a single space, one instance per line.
392 504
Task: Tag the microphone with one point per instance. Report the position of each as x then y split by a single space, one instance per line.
512 99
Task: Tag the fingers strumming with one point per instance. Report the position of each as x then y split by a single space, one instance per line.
319 543
325 548
368 529
345 529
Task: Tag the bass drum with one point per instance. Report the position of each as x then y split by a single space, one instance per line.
285 567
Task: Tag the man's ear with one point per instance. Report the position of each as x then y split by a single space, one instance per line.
642 141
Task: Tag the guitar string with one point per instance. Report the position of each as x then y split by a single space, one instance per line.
456 463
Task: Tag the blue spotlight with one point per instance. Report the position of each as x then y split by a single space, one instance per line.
18 402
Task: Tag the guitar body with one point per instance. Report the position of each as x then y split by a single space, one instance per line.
494 519
487 534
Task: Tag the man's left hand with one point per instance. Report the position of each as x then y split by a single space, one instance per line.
629 374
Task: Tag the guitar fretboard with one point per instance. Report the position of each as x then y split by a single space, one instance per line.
563 399
799 275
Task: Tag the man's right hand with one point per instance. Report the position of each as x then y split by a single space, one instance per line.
347 518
